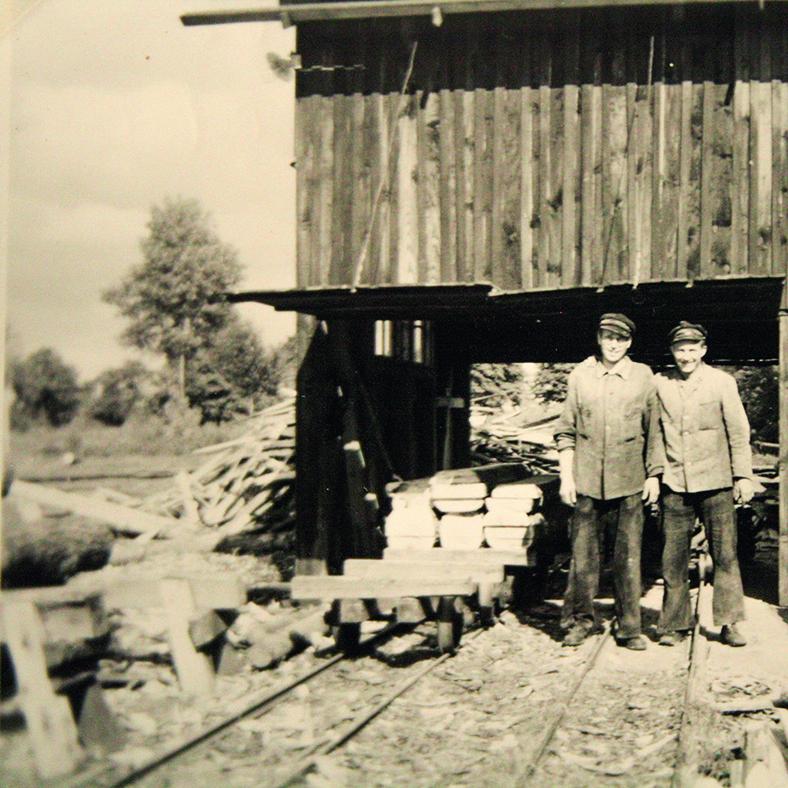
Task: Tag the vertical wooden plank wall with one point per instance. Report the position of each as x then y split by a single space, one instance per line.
544 150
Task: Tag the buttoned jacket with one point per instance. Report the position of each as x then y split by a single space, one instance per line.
705 430
611 420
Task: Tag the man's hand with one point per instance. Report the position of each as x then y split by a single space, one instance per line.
568 490
743 491
651 491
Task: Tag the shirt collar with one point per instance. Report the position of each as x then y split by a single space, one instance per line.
622 369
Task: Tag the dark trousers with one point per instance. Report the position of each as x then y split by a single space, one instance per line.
715 509
622 519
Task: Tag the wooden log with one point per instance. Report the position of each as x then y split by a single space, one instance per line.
129 551
205 627
195 670
288 640
53 733
340 587
121 518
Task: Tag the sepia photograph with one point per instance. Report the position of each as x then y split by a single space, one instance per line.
395 393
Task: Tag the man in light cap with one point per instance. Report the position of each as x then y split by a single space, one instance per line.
708 465
609 444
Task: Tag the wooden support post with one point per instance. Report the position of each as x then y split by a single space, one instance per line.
51 726
783 466
195 670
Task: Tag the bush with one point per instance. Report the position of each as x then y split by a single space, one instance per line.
118 391
45 388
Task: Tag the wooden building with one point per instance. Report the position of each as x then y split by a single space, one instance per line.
477 180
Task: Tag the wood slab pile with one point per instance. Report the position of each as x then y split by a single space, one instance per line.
496 505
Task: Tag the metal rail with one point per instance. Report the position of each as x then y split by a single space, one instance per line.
361 720
697 658
559 715
254 703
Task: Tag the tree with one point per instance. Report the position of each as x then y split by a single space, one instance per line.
45 386
231 376
759 392
550 383
171 298
117 392
494 384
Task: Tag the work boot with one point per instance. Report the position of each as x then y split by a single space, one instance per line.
671 638
731 636
637 643
577 634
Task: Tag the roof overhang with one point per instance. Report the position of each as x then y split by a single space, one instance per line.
293 13
555 325
731 298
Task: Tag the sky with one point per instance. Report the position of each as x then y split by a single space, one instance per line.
111 107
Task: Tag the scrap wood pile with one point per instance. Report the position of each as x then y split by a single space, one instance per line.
244 487
246 483
500 434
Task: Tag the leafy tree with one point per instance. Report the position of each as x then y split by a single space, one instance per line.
117 392
284 362
550 382
171 297
494 384
234 375
758 387
45 387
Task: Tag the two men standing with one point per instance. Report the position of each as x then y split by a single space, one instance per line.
623 429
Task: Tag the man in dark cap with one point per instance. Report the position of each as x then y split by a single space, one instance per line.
708 466
609 444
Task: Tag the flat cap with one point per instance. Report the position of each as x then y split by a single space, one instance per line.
687 332
617 323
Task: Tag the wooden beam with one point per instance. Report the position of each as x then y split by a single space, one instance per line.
440 555
341 587
217 592
53 733
122 518
304 12
461 570
195 670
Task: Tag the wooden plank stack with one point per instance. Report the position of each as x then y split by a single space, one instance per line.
466 508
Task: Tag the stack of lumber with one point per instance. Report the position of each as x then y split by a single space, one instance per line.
412 523
465 508
459 496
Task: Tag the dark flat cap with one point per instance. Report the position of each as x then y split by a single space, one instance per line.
617 323
687 332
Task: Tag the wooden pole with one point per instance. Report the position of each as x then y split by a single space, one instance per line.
783 476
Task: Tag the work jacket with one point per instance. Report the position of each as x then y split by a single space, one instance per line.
611 420
705 430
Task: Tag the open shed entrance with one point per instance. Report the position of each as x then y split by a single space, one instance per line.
384 378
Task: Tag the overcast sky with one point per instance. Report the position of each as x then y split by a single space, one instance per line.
114 105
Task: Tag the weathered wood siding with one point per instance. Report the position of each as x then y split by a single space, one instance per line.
544 150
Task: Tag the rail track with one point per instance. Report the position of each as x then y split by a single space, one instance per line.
321 712
682 739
